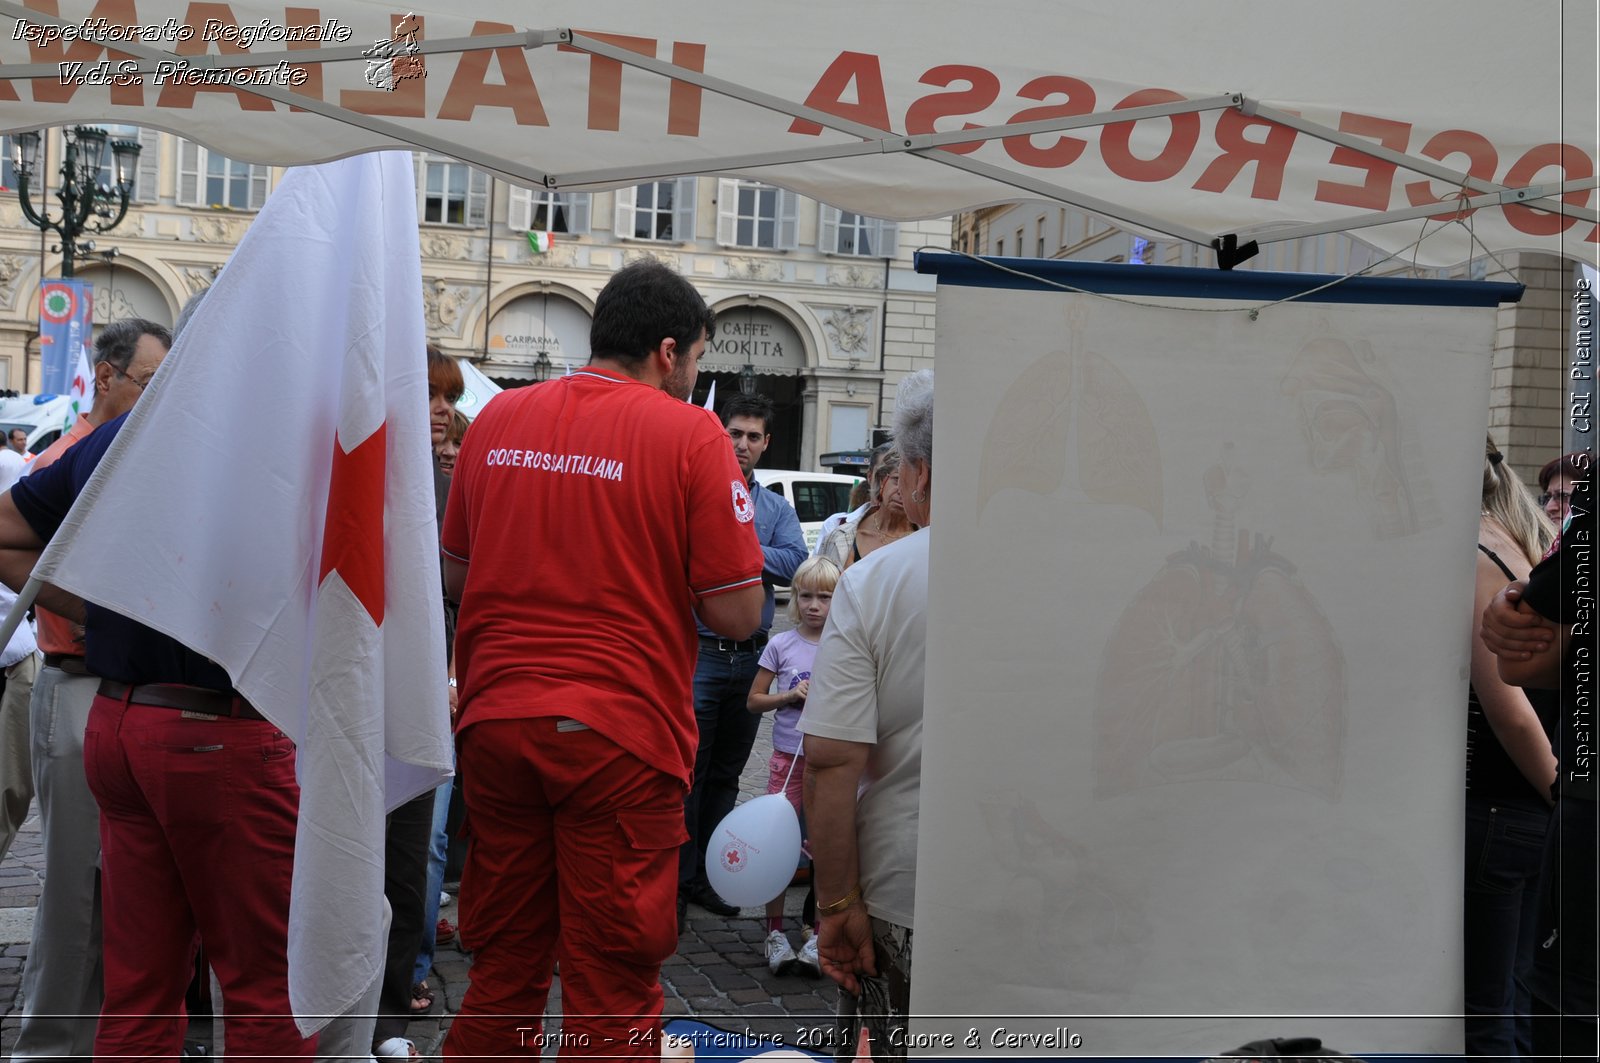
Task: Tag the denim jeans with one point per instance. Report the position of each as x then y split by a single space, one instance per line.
1504 851
727 734
438 851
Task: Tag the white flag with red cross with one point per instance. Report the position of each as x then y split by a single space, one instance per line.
270 504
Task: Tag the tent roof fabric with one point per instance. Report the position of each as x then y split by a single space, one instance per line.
1259 117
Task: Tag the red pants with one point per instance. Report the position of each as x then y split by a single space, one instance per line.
573 857
197 822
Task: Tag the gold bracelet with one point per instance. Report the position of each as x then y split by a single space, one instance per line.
842 903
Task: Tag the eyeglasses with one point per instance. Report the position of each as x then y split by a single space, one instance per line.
1563 497
140 384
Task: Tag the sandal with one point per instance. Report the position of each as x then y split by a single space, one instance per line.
421 998
396 1048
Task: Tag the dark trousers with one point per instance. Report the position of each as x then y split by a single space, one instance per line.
405 875
727 733
1563 979
1504 852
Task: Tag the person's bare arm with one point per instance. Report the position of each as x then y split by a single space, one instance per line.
1505 707
762 700
1540 669
733 614
1513 630
833 771
20 547
455 578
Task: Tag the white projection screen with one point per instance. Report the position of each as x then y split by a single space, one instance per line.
1197 665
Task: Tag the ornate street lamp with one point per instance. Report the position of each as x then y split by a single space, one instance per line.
747 379
542 367
86 205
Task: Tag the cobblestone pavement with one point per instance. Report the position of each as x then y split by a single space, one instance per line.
718 976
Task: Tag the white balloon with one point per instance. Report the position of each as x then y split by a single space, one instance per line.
752 854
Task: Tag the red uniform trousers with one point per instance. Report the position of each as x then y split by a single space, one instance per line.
197 824
573 856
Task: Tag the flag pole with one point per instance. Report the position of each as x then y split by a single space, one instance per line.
19 608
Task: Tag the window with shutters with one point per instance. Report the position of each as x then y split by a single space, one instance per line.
451 193
206 179
751 214
840 232
658 210
146 174
8 173
541 210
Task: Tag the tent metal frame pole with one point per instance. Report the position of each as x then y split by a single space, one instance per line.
1417 164
869 133
1514 196
425 141
873 141
889 144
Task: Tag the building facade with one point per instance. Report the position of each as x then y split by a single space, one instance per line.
817 308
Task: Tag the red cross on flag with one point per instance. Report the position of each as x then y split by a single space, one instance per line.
270 505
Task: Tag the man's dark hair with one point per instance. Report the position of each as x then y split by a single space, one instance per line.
117 341
749 406
643 304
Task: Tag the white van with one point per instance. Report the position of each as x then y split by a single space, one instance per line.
815 496
43 417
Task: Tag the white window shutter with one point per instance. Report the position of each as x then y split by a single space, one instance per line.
577 212
258 186
683 197
888 239
727 211
788 220
827 229
519 209
190 162
622 216
148 184
477 198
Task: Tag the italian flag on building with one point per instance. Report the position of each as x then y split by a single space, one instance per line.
540 242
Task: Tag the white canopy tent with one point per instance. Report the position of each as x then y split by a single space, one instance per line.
1218 124
1258 119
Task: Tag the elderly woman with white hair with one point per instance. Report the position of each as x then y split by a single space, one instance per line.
863 721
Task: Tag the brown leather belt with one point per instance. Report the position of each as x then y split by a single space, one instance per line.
181 697
70 663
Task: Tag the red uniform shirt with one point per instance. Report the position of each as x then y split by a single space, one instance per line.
592 511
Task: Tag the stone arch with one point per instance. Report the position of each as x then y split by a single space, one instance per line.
809 331
480 316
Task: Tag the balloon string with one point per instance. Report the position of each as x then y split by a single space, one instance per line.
792 762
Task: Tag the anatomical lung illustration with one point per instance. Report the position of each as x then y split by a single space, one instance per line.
1222 667
1074 410
1352 427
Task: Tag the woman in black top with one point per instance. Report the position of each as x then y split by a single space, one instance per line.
1510 767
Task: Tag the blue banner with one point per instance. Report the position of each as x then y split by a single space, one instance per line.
66 315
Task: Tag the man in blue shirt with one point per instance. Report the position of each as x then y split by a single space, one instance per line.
198 805
726 668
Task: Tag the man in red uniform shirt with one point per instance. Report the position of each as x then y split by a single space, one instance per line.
590 519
